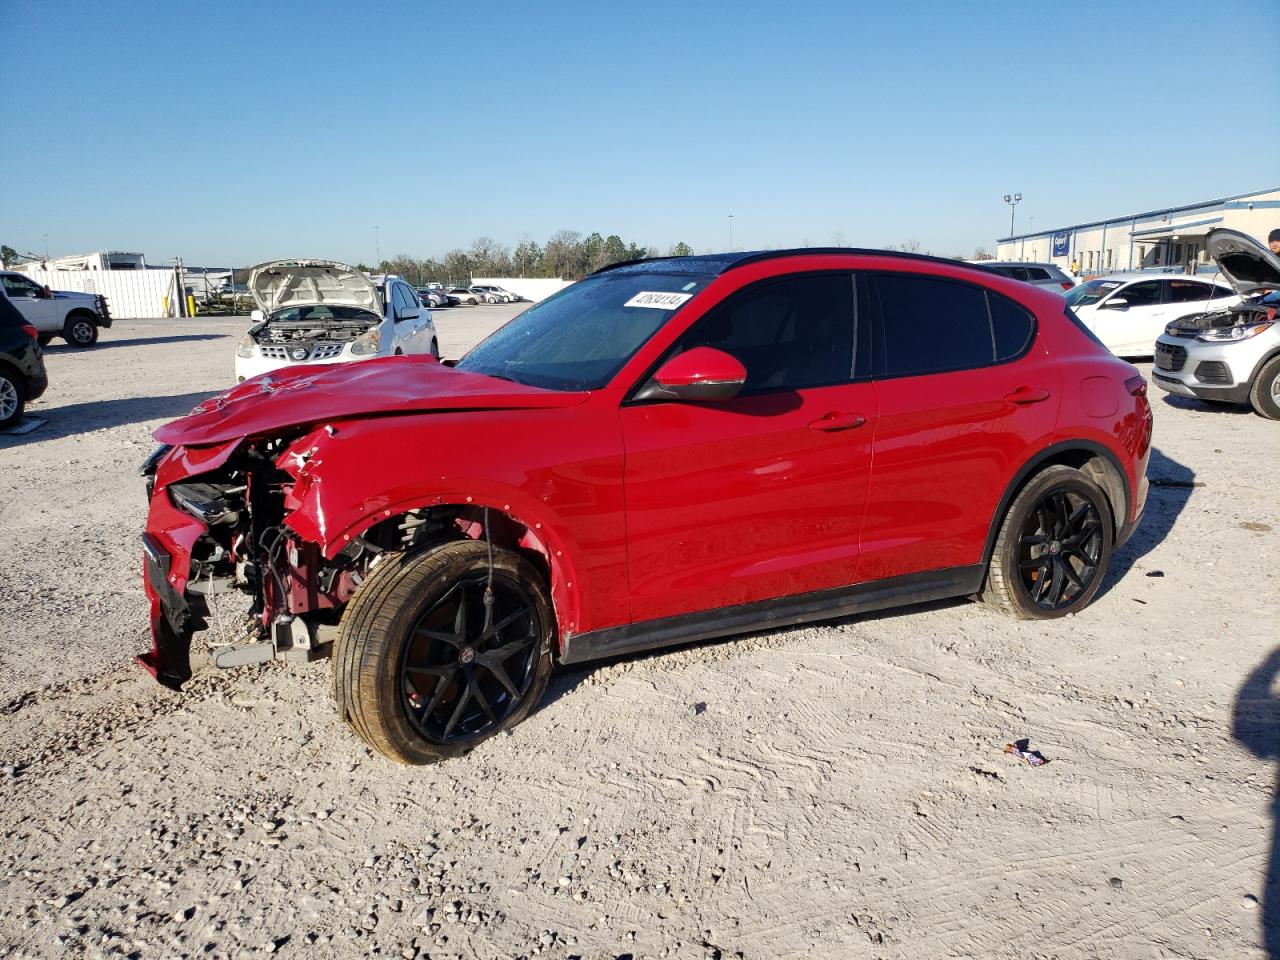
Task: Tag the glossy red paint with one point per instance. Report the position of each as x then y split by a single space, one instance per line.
310 394
701 365
653 509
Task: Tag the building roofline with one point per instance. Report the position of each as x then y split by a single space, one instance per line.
1136 216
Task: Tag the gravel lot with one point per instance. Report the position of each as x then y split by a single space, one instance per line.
843 793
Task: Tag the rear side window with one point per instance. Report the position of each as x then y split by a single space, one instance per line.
1219 292
1038 273
932 325
1144 294
1187 291
790 334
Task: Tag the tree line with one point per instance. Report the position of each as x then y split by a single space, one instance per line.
567 254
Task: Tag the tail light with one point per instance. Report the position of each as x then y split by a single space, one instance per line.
31 331
1137 386
1066 284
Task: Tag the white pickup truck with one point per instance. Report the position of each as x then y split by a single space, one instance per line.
75 317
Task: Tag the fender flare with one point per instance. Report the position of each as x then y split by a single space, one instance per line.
1040 459
543 536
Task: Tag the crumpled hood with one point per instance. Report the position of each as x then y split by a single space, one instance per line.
1245 263
301 395
289 283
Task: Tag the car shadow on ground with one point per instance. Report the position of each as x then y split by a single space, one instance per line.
1171 486
1256 726
1206 406
566 679
58 347
73 418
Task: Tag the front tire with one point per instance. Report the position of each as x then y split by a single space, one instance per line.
424 669
80 330
12 399
1053 549
1264 392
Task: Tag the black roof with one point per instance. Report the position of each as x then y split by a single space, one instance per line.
718 263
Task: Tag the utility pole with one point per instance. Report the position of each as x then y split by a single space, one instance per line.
377 245
1012 201
731 233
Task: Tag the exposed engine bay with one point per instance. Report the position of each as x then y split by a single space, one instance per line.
1242 314
312 332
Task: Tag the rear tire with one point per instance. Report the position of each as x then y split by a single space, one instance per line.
44 339
415 673
1053 549
1264 392
13 399
80 330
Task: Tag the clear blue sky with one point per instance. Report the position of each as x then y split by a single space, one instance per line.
238 132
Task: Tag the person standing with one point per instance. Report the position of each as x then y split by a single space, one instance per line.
1273 240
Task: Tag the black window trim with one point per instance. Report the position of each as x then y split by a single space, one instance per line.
629 399
877 327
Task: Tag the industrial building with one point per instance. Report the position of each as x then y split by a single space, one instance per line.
1170 239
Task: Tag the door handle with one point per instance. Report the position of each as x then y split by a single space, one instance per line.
1024 395
835 420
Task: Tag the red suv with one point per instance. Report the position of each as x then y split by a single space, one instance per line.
666 451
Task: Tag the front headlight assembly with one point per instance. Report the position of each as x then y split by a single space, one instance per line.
367 343
1241 331
246 348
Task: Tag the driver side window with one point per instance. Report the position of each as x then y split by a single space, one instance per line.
17 286
791 333
403 302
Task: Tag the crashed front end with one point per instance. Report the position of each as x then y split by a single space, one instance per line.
217 525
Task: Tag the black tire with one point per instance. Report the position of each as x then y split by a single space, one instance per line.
1264 392
44 339
455 693
13 398
435 348
80 330
1054 545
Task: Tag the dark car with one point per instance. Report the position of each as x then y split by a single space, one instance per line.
667 451
22 373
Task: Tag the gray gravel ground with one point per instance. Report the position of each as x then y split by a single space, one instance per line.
842 794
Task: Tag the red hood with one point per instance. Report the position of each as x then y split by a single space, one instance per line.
297 396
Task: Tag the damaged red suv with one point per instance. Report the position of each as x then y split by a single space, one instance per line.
667 451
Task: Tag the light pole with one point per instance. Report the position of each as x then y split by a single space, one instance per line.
377 245
731 233
1012 201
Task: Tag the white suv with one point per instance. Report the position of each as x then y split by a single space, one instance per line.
322 311
1231 355
73 316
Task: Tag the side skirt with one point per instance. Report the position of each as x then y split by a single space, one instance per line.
771 614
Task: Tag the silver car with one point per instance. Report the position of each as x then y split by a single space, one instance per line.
1037 274
1230 355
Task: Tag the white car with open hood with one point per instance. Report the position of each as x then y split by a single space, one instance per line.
322 311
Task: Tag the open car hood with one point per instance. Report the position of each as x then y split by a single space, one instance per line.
302 395
290 283
1245 263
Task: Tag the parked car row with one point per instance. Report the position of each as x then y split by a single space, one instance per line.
438 295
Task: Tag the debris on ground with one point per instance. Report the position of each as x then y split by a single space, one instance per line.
1021 750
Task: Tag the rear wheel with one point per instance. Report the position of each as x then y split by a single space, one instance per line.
1053 547
12 399
434 657
435 348
1264 392
80 330
44 339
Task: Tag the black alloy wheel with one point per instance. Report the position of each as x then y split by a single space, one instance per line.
1053 547
1059 549
441 649
80 331
470 659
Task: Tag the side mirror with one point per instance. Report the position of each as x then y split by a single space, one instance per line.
46 293
1116 303
256 316
700 374
406 314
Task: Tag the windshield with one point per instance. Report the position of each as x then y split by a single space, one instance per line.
581 337
320 311
1091 291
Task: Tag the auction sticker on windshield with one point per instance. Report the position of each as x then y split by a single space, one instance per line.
657 300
